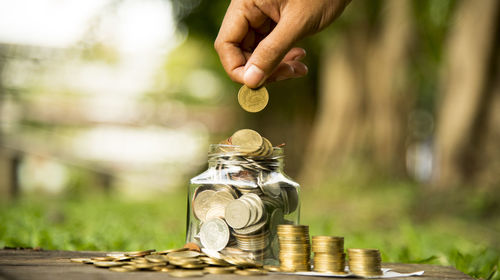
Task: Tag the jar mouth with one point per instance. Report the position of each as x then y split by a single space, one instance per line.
225 150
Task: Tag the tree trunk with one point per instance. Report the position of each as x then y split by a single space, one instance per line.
362 103
388 89
339 115
463 87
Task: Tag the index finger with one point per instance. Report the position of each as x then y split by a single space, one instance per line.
235 26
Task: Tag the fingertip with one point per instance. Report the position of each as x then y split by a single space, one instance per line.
300 55
300 69
254 76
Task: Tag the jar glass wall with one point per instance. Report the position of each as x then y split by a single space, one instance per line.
235 206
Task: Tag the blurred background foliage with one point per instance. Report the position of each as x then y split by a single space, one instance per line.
107 109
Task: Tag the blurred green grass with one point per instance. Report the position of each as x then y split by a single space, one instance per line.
391 216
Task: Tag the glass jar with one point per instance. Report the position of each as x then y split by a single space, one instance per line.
235 206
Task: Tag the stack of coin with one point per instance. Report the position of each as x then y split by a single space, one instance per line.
365 262
295 249
329 254
247 193
244 211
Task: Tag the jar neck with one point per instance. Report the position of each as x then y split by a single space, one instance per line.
220 155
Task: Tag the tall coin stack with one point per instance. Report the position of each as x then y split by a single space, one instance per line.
365 262
295 249
329 256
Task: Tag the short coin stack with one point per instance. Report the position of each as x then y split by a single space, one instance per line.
329 256
295 249
365 262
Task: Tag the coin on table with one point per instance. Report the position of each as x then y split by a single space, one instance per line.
156 258
214 261
253 100
272 268
186 273
214 234
102 259
250 272
122 269
164 252
140 253
107 264
82 260
219 269
183 255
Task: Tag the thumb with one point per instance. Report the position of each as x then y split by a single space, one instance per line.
269 53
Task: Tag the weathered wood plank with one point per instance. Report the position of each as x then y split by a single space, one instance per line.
55 265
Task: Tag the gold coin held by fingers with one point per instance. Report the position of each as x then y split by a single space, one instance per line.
253 100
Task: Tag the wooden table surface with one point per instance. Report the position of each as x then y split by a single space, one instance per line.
31 264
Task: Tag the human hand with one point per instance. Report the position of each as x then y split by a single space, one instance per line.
256 38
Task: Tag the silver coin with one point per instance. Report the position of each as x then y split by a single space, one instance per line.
251 207
201 204
237 214
216 211
214 234
257 205
253 228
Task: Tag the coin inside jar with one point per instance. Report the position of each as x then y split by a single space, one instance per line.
214 234
237 214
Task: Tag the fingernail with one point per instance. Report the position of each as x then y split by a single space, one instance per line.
299 57
254 76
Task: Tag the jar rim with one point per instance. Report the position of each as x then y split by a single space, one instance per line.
215 150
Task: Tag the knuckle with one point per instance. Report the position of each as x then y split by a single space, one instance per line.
217 44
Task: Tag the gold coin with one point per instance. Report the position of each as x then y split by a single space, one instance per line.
186 273
183 255
139 253
220 270
81 260
146 266
248 140
102 259
187 261
121 269
250 272
166 269
272 268
194 265
164 252
156 258
123 259
214 261
253 100
108 264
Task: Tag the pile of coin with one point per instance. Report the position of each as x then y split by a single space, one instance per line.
177 262
329 256
295 249
365 262
241 199
253 100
